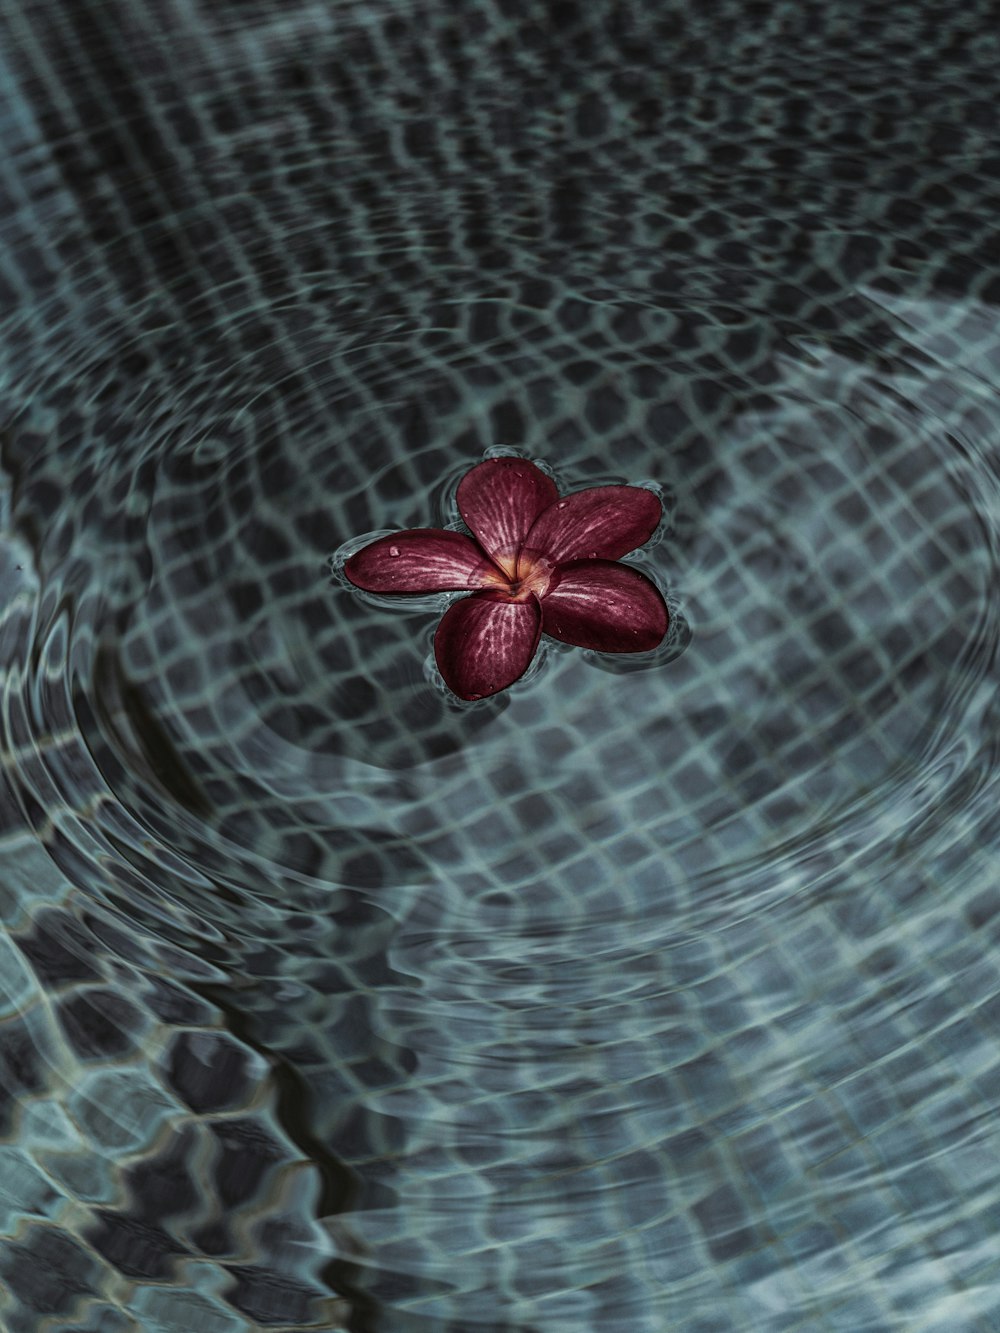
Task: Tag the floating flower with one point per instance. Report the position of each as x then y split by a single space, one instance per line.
536 564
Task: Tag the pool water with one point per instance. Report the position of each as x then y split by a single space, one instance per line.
659 992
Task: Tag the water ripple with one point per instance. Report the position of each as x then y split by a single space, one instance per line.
648 994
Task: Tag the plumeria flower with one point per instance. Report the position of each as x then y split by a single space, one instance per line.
536 564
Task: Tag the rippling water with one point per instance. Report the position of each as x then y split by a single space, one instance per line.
653 994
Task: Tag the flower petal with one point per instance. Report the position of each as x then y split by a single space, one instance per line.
485 642
499 500
602 522
420 560
604 605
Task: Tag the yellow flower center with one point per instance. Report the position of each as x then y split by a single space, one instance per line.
531 574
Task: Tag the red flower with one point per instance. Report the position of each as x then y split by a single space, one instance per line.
539 565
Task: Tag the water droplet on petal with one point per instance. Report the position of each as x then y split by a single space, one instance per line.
562 504
394 551
593 555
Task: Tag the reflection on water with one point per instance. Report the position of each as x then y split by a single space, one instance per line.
630 999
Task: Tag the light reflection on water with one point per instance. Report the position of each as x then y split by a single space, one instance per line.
649 994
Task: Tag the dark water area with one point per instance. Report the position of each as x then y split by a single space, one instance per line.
657 992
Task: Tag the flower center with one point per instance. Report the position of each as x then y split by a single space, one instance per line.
532 574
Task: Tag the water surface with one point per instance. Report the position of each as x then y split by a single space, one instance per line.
655 993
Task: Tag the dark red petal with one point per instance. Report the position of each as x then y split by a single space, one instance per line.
485 642
602 522
499 500
603 605
420 560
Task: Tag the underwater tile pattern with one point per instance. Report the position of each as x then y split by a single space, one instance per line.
656 993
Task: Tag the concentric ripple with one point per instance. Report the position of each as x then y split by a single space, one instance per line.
651 994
